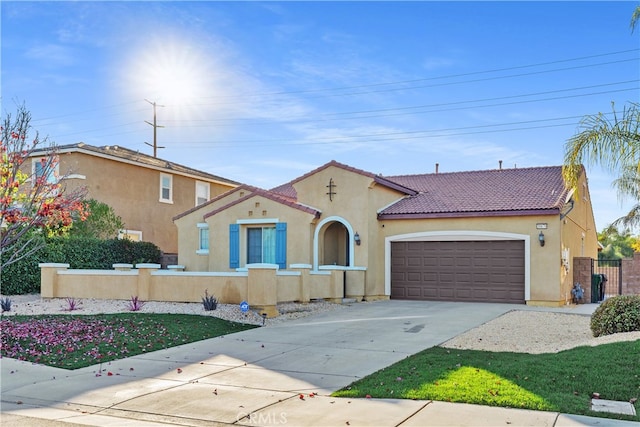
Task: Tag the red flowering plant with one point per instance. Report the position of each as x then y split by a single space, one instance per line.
33 199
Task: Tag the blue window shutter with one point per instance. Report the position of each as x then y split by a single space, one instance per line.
234 245
281 244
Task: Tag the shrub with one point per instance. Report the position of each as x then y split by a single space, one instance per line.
5 304
616 314
72 304
209 301
135 304
23 277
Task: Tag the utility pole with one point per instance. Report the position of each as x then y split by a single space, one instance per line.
155 129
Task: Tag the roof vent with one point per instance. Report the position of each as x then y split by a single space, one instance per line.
437 167
500 164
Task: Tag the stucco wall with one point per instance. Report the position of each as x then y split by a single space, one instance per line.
259 211
133 191
262 286
579 233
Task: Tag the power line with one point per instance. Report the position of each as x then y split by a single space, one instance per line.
337 116
450 76
372 113
390 136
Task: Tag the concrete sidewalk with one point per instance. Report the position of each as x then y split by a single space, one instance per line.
257 377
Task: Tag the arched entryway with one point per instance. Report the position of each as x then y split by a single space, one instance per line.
333 243
334 249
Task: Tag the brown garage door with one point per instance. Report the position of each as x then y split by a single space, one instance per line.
489 271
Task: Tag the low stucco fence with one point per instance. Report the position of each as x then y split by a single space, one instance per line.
263 286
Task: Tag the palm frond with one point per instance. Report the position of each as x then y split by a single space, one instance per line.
609 140
631 220
634 18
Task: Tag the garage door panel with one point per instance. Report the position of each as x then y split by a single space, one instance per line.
464 278
481 261
463 262
464 294
482 277
414 276
414 261
481 294
446 293
447 278
414 246
429 293
414 291
459 270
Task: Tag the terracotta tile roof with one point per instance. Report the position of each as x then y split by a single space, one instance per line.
268 195
243 187
526 191
288 189
122 153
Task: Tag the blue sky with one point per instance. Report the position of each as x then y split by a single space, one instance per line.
263 92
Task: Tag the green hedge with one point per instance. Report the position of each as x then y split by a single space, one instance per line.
616 314
23 277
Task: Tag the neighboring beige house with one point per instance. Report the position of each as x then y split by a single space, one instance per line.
504 235
146 192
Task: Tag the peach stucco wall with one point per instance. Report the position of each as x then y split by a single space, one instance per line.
133 191
261 285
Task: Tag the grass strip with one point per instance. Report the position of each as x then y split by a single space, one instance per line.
562 382
77 341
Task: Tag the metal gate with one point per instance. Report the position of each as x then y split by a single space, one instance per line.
611 271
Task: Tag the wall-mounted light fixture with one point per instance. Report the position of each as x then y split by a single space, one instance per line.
541 238
356 237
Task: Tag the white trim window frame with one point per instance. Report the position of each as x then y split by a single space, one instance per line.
203 192
203 239
166 188
36 171
133 235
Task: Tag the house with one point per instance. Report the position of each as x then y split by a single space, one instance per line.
146 192
503 235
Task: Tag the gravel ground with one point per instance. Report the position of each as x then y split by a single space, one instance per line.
520 331
33 304
534 332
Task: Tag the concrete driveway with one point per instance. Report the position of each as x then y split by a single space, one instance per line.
254 377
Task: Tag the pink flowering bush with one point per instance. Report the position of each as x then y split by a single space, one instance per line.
73 342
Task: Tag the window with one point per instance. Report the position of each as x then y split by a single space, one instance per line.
203 239
261 245
166 188
133 235
202 192
45 165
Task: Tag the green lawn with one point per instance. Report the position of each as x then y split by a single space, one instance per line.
77 341
562 382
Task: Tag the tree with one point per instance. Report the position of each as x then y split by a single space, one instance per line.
101 223
33 199
617 244
614 143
